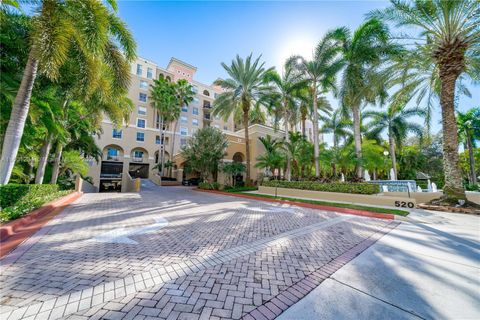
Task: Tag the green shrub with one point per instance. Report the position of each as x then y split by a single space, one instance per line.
19 199
239 189
209 185
360 188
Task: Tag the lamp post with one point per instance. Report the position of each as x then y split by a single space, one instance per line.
386 153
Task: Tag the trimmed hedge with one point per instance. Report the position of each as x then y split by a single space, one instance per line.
359 188
19 199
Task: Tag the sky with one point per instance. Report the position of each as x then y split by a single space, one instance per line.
206 33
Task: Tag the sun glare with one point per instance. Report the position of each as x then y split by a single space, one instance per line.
295 45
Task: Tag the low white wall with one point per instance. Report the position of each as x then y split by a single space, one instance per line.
376 199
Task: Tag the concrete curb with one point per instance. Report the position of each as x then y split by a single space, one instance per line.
15 232
363 213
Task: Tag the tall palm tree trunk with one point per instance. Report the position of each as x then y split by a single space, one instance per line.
173 147
471 162
18 116
288 174
315 131
304 122
247 141
393 156
162 147
42 163
453 187
56 163
358 139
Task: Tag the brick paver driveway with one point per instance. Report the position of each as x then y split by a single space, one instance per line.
172 253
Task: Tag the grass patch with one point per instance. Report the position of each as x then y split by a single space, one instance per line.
18 200
333 204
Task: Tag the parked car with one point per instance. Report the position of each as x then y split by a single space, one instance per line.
191 182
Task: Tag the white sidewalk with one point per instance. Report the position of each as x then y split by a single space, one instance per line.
429 268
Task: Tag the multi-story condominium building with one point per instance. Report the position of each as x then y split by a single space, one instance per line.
135 147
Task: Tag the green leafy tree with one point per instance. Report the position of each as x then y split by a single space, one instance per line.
284 96
338 126
185 94
232 170
245 87
164 98
395 121
90 28
272 159
469 133
320 74
363 53
205 150
448 31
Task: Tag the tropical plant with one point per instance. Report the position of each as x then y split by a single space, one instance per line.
185 94
320 74
98 38
164 99
245 87
205 150
338 126
272 159
284 97
363 81
448 31
232 170
469 133
395 121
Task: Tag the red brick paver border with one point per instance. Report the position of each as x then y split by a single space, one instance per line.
356 212
290 296
15 232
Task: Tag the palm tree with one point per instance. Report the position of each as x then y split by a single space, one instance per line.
164 99
245 87
362 82
338 126
185 94
285 93
272 159
93 31
448 31
320 74
469 132
395 120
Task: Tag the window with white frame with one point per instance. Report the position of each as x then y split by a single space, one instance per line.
183 142
142 97
139 69
149 73
195 100
184 108
195 111
143 84
195 122
225 128
140 136
117 134
183 120
157 139
142 111
183 131
141 123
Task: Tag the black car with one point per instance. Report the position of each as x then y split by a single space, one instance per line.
191 182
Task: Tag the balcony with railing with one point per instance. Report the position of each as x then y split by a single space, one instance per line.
206 105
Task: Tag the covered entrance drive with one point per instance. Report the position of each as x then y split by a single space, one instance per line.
138 170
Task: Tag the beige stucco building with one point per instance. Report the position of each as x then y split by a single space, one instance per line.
133 149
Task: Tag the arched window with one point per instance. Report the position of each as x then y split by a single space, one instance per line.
206 93
238 157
